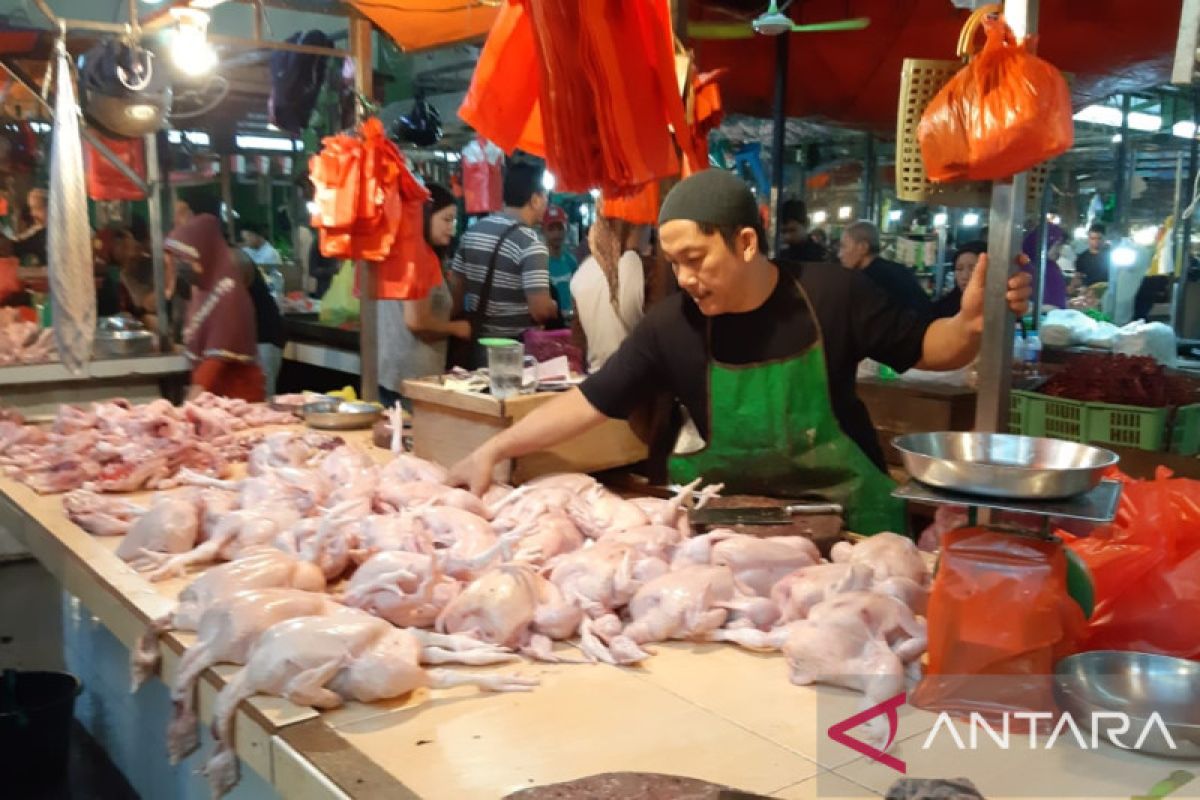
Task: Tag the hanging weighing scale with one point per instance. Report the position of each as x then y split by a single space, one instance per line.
996 612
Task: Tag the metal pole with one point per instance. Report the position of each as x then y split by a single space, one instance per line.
778 140
227 197
1121 187
368 331
1185 260
870 167
1004 222
155 210
1043 251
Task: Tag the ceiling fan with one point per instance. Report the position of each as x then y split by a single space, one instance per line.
771 22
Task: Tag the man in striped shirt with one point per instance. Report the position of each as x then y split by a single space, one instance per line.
520 293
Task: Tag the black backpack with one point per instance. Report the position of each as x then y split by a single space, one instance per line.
296 80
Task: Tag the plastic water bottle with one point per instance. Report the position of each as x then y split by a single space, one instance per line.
1033 352
1019 342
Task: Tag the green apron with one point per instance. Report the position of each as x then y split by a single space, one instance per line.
772 432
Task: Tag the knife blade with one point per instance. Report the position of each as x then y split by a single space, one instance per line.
771 515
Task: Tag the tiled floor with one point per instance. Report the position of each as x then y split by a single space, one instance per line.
31 639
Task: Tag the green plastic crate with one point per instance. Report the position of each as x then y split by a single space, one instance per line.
1058 418
1018 416
1185 431
1127 426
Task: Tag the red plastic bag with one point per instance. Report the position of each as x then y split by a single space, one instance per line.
106 182
1000 618
1005 112
639 208
1146 569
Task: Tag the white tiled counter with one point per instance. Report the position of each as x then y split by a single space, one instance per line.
711 712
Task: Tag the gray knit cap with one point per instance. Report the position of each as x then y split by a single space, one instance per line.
715 197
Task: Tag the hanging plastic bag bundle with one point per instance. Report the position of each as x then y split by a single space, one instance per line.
1001 615
1004 112
339 305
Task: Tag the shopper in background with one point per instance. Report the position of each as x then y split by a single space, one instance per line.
218 335
413 334
859 250
506 245
609 289
562 263
1054 293
30 242
256 246
1091 266
270 335
820 240
949 304
797 244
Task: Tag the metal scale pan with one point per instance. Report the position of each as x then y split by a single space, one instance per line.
1011 473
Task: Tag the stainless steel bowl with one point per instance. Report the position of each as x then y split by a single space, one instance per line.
1139 685
340 415
1003 465
115 344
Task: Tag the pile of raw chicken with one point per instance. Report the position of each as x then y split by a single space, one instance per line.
119 447
24 342
338 578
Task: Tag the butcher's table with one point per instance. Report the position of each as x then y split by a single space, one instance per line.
713 712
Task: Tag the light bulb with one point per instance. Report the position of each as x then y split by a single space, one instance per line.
819 217
970 220
1124 256
895 215
548 181
190 50
940 219
844 212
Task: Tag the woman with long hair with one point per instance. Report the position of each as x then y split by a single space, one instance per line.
609 289
413 334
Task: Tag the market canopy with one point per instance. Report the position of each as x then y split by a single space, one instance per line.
423 24
853 77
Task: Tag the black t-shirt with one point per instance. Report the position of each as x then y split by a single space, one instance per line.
267 319
1092 266
899 282
667 352
948 305
807 250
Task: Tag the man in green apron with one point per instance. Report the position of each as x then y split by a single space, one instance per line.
762 358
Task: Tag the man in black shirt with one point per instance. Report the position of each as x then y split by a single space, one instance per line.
859 250
1091 266
763 361
797 244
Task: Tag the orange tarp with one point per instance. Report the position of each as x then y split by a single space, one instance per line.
423 24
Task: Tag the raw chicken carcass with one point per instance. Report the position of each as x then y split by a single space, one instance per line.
327 541
237 532
466 544
652 540
399 496
170 525
99 515
673 512
598 511
551 535
407 589
573 482
889 555
324 661
525 503
289 449
226 631
406 468
262 568
758 563
512 606
798 593
886 617
604 577
687 603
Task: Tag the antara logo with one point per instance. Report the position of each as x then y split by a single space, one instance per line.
1112 724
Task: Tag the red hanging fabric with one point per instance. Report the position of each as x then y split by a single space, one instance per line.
106 182
639 208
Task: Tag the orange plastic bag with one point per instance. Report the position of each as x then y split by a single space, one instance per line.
1005 112
639 208
999 619
411 268
106 182
1146 569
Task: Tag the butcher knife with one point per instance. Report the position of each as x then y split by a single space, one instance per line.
772 515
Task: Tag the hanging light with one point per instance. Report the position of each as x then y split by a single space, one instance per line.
940 219
1124 256
819 217
895 215
970 220
190 50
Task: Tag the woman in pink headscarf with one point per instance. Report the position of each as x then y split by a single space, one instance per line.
218 332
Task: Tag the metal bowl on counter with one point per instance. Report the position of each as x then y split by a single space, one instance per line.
121 335
1137 685
329 413
1003 465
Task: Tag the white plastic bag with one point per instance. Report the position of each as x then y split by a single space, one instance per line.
1064 327
1152 339
1104 336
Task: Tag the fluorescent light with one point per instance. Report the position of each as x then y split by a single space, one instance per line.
1111 116
819 217
548 181
895 216
1081 232
940 219
1184 129
1124 256
970 220
1145 236
595 193
40 127
194 137
278 144
1116 138
844 212
1054 219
